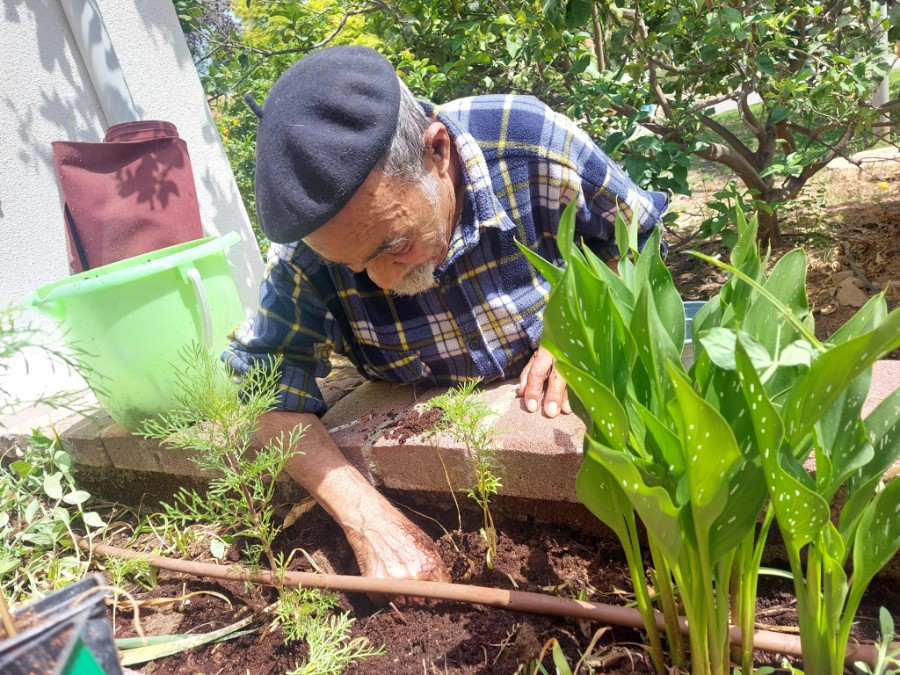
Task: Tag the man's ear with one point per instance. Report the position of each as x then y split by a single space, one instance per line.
437 147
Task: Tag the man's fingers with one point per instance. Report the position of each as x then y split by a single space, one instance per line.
523 377
541 367
566 406
555 395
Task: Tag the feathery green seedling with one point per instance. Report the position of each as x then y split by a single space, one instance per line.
217 417
464 418
307 615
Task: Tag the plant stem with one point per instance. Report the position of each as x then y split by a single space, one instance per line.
645 606
670 610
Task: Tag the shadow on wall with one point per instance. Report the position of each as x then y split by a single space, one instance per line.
71 120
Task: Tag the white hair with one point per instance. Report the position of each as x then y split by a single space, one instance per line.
405 156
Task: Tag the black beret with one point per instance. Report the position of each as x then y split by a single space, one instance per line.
325 124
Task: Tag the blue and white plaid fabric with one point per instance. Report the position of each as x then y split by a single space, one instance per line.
522 164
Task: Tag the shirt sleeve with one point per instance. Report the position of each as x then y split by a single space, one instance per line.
606 189
294 323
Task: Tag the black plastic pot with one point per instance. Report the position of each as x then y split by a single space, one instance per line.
66 633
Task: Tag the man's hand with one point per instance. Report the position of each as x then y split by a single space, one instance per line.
539 381
384 541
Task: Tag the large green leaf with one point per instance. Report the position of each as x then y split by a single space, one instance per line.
800 511
878 536
883 425
597 489
787 283
711 453
651 272
610 421
867 318
653 504
842 445
660 441
746 495
832 371
654 346
548 270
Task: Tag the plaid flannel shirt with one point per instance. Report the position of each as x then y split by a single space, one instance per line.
522 164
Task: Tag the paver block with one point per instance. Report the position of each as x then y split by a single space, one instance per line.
128 451
536 457
82 440
356 421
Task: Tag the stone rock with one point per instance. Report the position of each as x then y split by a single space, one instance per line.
850 295
839 277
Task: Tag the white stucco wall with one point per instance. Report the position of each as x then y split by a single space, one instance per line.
46 94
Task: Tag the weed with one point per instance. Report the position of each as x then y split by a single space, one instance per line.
305 614
464 419
40 507
888 655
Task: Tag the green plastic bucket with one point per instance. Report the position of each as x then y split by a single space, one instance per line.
128 324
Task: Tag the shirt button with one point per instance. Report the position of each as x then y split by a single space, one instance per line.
475 344
446 279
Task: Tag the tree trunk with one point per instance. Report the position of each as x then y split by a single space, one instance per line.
768 227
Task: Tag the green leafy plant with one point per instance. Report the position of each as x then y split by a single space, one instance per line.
888 655
465 416
217 417
696 455
41 507
306 615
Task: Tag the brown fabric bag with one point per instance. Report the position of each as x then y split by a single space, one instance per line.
132 194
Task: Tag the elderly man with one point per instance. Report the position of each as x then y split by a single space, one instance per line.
395 224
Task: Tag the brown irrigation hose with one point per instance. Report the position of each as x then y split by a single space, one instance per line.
516 601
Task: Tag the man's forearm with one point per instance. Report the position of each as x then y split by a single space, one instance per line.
318 465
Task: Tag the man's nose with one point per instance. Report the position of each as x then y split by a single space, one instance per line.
385 273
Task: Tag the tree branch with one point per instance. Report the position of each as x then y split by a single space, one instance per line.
747 115
722 154
598 38
794 184
725 134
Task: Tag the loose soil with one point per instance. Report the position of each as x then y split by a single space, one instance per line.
849 222
448 637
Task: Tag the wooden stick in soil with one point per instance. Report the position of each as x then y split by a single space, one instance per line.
8 624
516 601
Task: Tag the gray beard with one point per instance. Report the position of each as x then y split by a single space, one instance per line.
418 279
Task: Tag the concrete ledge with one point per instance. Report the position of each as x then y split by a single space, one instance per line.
379 427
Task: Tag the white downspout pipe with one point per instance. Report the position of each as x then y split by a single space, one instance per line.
100 60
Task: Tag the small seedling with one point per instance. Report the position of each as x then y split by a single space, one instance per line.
217 418
465 419
306 615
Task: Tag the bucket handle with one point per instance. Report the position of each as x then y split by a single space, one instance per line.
193 276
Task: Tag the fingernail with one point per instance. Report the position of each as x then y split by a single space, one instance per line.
532 405
567 409
552 409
